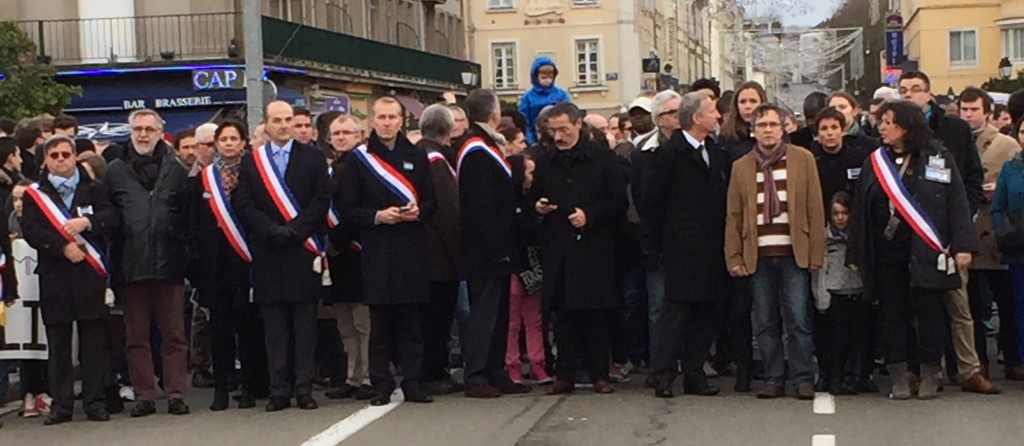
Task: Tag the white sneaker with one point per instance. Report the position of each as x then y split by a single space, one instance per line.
127 393
28 407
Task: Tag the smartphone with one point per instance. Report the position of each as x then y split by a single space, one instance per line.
405 208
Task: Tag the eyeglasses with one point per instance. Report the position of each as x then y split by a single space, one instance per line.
915 89
768 125
147 130
668 112
60 155
350 132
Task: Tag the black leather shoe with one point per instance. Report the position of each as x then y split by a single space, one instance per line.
364 393
98 415
343 391
202 380
278 403
663 390
417 395
144 408
743 378
701 390
177 406
220 400
306 402
246 400
56 418
381 400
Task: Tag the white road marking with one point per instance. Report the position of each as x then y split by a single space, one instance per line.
823 440
824 403
349 426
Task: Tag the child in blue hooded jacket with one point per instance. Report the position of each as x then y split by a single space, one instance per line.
544 93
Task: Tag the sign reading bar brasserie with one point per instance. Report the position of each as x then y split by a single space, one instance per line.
187 101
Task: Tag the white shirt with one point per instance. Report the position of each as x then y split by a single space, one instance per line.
697 145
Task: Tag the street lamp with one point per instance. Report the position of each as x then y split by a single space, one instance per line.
469 79
1005 67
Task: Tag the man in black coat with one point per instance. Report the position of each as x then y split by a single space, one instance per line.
685 205
150 189
387 191
488 217
71 289
580 190
288 277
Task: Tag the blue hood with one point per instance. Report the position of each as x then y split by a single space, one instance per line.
537 63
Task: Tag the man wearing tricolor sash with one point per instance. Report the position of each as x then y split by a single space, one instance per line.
387 191
282 201
67 218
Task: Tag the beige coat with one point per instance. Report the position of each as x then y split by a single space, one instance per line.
994 148
806 216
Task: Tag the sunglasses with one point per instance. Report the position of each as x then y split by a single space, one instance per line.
60 155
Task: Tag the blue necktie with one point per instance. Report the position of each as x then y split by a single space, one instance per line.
281 159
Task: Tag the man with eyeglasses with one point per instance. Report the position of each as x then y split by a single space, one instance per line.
775 234
206 147
958 139
150 190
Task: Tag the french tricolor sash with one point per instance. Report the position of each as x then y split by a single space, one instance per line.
435 157
478 144
333 216
392 179
903 201
58 217
222 210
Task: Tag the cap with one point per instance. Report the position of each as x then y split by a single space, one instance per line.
643 102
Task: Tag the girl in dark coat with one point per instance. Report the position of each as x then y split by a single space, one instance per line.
72 275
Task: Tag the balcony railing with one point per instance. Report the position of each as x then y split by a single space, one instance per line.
130 39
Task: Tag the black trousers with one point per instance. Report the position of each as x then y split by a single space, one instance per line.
850 319
583 335
34 377
93 358
824 340
736 341
396 337
687 331
487 332
437 327
244 322
1001 286
282 323
908 313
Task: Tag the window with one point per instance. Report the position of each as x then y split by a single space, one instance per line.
587 70
584 2
963 48
1013 43
503 57
500 4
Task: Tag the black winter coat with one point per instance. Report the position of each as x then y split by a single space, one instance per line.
686 206
69 291
151 242
284 273
946 205
393 255
579 264
838 172
444 240
956 136
346 248
488 211
736 148
217 271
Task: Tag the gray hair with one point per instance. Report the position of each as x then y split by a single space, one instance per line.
658 103
481 104
437 121
56 139
145 112
456 109
208 127
690 105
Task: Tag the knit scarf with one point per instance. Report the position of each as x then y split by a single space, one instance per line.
771 207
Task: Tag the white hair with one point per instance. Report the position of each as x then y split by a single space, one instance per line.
658 103
887 93
208 128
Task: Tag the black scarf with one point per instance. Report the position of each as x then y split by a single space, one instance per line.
147 167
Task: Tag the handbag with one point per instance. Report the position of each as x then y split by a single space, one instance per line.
1010 232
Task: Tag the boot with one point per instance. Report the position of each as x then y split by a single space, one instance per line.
220 400
929 381
900 386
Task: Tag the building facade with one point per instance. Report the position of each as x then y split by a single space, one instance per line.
598 45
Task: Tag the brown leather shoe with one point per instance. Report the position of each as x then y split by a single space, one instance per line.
1015 373
603 386
482 391
561 387
771 391
511 388
978 384
805 392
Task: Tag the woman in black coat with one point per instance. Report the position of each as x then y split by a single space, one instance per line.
224 281
72 287
908 276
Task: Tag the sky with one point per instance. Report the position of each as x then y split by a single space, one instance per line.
817 11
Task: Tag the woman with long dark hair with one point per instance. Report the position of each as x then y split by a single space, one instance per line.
911 232
736 137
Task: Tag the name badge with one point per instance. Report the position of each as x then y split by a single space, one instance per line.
853 174
936 161
407 165
84 211
207 196
939 175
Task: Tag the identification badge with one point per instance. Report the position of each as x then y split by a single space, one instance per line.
936 161
941 264
853 174
207 195
939 175
407 165
317 266
84 211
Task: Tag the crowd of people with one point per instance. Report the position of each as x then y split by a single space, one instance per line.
325 251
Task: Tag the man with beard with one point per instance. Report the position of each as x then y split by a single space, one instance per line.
149 188
580 192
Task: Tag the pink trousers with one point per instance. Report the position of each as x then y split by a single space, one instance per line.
525 313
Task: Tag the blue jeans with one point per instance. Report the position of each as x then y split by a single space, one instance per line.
634 317
782 291
655 305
